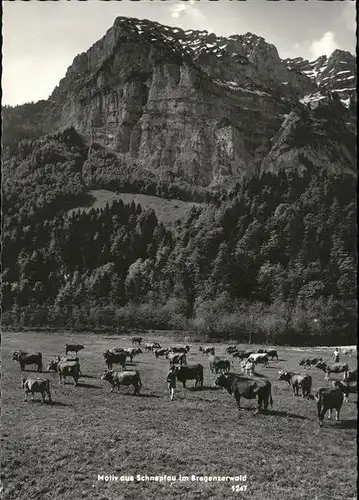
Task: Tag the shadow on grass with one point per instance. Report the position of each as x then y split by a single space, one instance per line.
347 424
89 376
204 388
278 413
148 396
58 403
88 386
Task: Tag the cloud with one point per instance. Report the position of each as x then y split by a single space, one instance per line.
178 9
324 46
188 15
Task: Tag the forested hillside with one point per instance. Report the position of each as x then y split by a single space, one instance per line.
273 258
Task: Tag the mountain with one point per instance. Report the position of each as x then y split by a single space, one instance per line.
193 106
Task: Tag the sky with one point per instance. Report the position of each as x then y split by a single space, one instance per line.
41 39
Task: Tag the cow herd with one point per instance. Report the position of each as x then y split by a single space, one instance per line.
247 384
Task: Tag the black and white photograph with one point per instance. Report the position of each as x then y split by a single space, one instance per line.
179 250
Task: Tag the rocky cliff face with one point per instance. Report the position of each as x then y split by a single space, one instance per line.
206 109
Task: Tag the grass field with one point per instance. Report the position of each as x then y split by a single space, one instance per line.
167 211
57 452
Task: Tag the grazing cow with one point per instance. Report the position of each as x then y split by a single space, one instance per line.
332 368
247 387
328 399
179 349
297 381
161 352
219 365
212 362
54 363
350 376
346 388
207 350
242 354
190 372
231 349
123 378
28 359
309 361
137 340
112 358
248 367
177 359
132 351
68 369
31 385
272 353
151 346
259 358
73 348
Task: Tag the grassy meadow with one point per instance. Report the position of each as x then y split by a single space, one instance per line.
57 452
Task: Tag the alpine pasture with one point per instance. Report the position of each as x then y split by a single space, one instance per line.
58 451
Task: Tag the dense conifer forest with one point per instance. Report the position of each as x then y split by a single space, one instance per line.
272 259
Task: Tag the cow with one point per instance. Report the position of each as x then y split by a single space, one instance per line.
54 363
247 387
179 349
207 350
328 399
118 349
350 376
259 358
332 368
242 354
31 385
346 388
248 367
68 369
190 372
212 362
231 349
123 378
137 340
271 353
28 359
161 352
73 348
219 365
297 381
132 351
151 346
177 359
112 358
309 361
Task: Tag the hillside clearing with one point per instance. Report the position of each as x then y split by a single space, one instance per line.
167 211
58 452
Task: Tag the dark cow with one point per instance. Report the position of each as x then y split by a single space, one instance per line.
242 354
137 340
259 358
68 369
190 372
179 349
350 376
118 349
73 348
151 346
112 358
161 352
219 365
297 381
31 385
207 350
247 387
346 388
28 359
309 361
272 353
212 363
177 359
328 399
332 368
54 363
123 378
132 352
231 349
